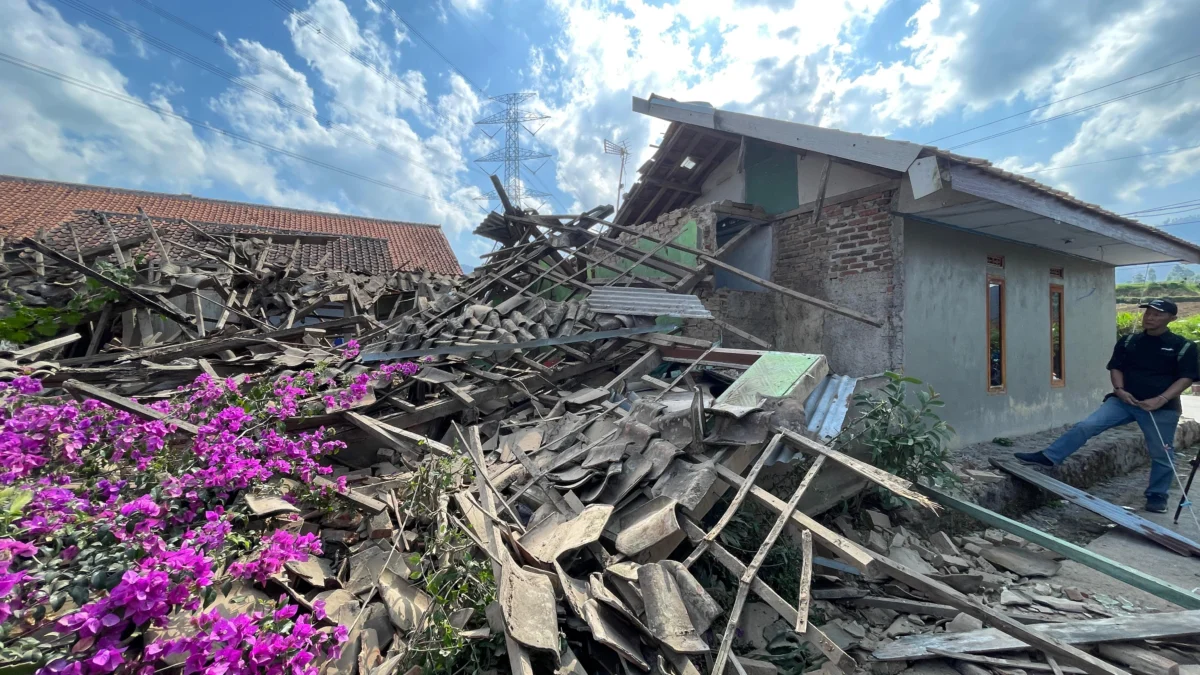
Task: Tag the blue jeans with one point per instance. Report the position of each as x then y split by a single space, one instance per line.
1114 413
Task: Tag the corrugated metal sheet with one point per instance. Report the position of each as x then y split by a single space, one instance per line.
645 302
826 409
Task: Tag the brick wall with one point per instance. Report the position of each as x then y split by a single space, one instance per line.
848 257
850 238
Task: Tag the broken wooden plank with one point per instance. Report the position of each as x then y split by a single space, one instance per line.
991 617
1135 578
46 346
369 504
790 614
892 482
1007 663
170 313
1094 631
852 553
760 556
1140 660
805 582
1132 522
823 304
822 183
735 504
742 334
847 550
395 436
904 606
99 328
83 390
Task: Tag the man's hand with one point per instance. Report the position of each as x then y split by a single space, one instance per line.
1152 404
1126 397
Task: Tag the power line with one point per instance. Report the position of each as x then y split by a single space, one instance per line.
1068 98
1114 159
41 70
237 80
1190 203
1077 110
437 51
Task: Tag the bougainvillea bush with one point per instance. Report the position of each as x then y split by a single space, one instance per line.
112 526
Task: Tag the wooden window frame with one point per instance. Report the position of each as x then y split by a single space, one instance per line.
1062 337
1003 386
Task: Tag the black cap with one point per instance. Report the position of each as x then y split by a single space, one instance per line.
1162 305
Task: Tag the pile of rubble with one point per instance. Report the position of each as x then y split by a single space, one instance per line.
556 461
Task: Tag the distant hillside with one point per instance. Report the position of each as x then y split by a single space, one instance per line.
1173 290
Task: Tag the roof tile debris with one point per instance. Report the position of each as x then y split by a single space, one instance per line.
584 484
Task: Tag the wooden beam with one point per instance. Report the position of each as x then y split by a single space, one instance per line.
879 566
46 346
1011 628
823 304
892 482
741 333
824 182
170 313
672 185
1112 568
760 556
845 549
82 390
689 282
789 613
1086 632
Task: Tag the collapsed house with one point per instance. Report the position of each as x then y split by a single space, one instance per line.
557 419
966 266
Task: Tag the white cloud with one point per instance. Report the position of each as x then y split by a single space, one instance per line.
379 129
953 59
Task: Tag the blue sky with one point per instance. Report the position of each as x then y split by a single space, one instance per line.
389 92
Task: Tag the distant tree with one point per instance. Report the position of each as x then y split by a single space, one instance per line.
1139 278
1151 276
1176 273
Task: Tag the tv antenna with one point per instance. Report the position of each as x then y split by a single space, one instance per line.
621 149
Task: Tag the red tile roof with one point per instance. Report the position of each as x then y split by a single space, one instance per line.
27 205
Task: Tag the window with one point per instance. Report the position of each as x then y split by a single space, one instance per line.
995 334
1058 372
1056 272
995 260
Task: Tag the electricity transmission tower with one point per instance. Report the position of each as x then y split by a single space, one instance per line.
621 149
513 119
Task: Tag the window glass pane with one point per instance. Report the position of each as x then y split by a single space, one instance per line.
1056 334
995 333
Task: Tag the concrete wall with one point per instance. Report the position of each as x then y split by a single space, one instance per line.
945 339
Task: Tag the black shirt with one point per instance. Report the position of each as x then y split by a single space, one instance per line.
1152 363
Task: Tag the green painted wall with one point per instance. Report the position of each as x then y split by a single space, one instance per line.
771 180
688 236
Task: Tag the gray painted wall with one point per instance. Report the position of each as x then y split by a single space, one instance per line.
945 331
725 182
843 178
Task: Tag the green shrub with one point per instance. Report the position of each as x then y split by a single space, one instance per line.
905 439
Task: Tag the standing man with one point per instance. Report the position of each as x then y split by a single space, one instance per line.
1149 370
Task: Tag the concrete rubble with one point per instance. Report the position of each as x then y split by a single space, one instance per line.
586 462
